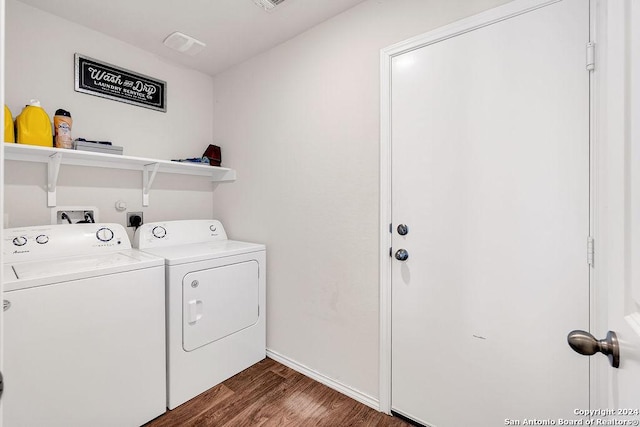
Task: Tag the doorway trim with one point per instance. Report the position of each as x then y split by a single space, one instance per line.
616 169
387 54
2 101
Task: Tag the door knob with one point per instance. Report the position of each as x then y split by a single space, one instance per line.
402 255
584 343
403 229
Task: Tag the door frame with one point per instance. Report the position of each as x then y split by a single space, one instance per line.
606 22
2 73
615 163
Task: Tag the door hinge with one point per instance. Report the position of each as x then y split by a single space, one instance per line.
391 228
590 250
591 56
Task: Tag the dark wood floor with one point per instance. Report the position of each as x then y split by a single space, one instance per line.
270 394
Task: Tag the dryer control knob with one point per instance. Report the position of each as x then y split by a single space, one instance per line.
159 232
213 228
42 239
20 241
104 234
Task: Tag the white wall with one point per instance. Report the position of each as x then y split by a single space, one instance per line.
40 51
300 123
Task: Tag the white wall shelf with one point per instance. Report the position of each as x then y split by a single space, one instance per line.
55 157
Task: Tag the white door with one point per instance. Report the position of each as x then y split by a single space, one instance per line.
490 174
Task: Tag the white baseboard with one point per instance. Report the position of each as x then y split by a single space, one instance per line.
323 379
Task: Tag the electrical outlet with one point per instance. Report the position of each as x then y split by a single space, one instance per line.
134 219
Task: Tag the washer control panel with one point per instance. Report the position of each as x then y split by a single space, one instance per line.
62 240
173 233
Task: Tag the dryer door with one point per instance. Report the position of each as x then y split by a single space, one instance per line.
218 302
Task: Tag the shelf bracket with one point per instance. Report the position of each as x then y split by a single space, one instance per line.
53 169
148 175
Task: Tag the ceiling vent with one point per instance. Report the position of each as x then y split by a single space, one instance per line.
268 4
184 43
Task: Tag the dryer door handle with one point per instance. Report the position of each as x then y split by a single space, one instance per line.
195 311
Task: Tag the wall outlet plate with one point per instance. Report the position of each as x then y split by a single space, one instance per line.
131 215
74 213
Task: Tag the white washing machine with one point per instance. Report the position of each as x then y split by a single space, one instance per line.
83 328
215 303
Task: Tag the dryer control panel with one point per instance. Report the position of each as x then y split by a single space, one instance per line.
175 233
62 240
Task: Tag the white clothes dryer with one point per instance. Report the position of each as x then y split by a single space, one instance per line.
215 303
83 328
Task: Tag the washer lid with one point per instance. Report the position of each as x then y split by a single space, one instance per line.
181 254
55 270
8 274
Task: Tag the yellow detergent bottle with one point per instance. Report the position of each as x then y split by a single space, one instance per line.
34 126
9 132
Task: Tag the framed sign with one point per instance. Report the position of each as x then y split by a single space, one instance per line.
118 84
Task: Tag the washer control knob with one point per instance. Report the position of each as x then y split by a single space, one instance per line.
20 241
159 232
213 227
104 234
42 239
